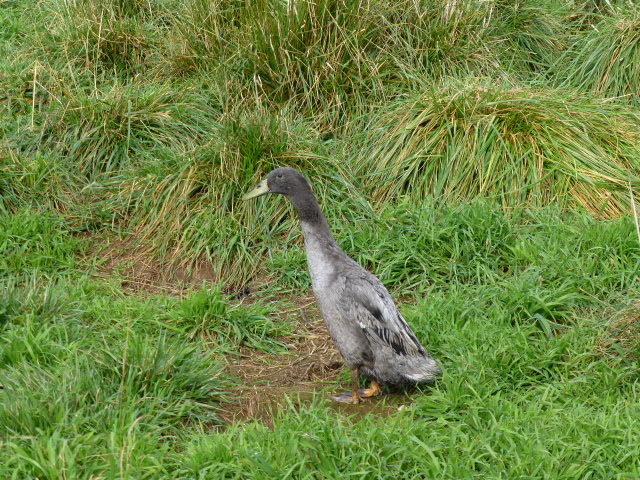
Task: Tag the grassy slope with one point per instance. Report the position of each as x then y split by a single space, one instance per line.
121 117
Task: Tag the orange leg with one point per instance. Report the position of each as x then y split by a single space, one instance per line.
355 397
372 391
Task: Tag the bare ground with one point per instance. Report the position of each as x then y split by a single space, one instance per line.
622 336
140 274
266 380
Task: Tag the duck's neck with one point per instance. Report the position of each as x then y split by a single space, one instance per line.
313 222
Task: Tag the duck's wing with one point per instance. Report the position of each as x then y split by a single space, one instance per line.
377 315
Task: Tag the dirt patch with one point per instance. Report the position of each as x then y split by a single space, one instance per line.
310 364
141 274
268 382
622 338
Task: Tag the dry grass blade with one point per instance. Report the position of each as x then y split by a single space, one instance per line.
634 210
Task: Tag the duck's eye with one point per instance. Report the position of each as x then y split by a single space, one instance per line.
280 175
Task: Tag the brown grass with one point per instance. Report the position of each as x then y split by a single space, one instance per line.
622 335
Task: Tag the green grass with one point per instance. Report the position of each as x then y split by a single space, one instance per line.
152 117
476 155
95 382
35 241
518 308
608 68
208 313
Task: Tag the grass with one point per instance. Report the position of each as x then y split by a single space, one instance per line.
521 146
95 382
476 155
516 307
606 68
100 130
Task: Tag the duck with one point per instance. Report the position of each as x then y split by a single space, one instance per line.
364 322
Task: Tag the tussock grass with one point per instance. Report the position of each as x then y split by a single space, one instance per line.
519 145
101 130
302 45
42 181
534 33
330 58
102 36
604 60
189 206
200 28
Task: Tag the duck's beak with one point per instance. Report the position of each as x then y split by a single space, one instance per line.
260 189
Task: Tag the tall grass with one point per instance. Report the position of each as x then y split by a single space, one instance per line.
102 129
189 207
330 58
313 54
519 145
184 105
102 36
604 60
533 34
200 35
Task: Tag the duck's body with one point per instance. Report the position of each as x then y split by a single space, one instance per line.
361 316
362 319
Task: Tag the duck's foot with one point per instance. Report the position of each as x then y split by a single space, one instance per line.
347 397
372 391
354 397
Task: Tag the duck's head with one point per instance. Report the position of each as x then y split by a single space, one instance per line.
285 181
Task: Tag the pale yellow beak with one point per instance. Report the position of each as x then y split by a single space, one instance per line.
260 189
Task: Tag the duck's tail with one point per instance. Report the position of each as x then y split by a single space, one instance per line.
422 370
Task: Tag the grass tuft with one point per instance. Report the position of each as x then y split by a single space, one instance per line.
518 145
101 36
604 60
32 241
189 207
208 314
102 129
